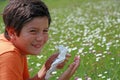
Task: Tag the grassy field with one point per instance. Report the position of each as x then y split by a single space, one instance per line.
89 28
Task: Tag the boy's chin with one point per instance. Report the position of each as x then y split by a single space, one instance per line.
35 53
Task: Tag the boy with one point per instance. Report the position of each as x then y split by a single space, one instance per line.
26 31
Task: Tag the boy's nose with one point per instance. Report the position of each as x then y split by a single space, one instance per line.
39 37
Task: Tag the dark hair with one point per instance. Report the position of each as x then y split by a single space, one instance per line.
18 12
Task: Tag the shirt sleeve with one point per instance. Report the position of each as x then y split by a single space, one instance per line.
12 67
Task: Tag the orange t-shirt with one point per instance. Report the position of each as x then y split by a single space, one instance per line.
13 65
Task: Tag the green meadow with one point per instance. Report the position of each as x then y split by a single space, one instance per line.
89 28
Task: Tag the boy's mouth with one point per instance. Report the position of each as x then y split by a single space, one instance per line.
37 45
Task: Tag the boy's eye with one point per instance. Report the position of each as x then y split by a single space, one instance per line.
46 30
33 31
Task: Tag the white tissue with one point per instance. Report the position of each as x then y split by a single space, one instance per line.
61 57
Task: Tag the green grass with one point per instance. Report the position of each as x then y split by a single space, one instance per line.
2 5
91 29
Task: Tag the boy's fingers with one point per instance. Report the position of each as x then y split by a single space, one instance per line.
77 58
77 63
71 66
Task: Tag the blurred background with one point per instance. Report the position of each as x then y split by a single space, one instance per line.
89 28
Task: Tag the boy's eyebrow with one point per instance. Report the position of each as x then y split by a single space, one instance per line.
32 28
36 27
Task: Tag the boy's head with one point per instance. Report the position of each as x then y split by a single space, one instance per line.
19 12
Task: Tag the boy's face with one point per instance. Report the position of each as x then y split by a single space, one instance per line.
33 36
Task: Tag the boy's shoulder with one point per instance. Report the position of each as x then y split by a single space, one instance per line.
5 45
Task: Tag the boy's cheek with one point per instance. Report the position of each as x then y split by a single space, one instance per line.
46 39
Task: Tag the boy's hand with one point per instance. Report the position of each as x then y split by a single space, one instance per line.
71 69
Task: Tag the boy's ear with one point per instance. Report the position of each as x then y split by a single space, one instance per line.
11 32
